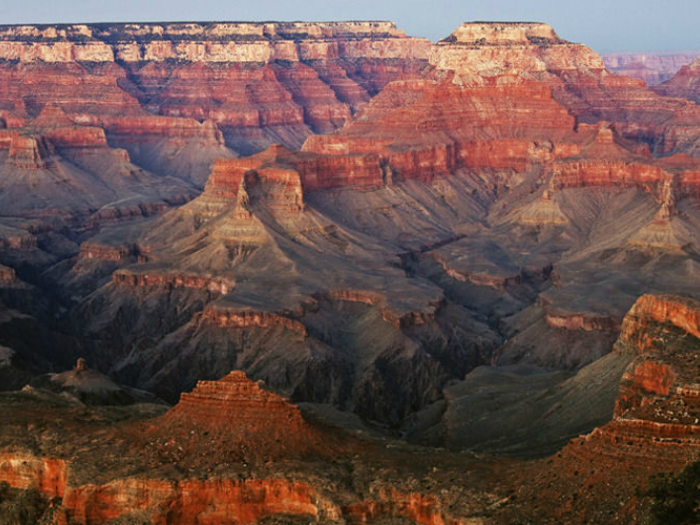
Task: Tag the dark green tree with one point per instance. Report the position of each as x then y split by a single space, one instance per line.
675 498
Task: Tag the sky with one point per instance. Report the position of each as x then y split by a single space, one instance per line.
604 25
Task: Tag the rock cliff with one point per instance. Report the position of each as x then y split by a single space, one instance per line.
652 67
684 83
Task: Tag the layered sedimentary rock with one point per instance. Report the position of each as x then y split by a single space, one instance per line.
576 75
652 67
435 127
685 83
247 420
656 410
258 82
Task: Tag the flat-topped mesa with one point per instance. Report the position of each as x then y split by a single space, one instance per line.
483 49
498 33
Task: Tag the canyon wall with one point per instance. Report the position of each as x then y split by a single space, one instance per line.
652 67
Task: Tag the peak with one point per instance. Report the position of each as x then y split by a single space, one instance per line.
247 418
503 33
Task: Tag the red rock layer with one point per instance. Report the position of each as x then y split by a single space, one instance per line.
224 318
423 128
653 68
182 503
684 84
214 501
657 410
477 52
425 510
679 311
169 281
25 471
295 171
248 78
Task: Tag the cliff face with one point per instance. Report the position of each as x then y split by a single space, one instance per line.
229 452
254 80
653 68
657 404
684 84
576 75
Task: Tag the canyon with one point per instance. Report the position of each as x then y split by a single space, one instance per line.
329 272
652 67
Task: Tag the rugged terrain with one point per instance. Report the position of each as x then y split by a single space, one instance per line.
652 67
437 243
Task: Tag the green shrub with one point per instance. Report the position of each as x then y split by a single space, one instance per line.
675 498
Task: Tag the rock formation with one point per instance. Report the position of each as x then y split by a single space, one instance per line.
235 417
684 83
652 67
442 245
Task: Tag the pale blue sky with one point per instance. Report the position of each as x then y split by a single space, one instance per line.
605 25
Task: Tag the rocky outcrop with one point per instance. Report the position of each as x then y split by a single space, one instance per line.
681 312
277 176
103 252
24 470
216 501
582 321
170 280
684 84
238 401
16 239
651 67
246 319
256 81
236 419
7 275
656 411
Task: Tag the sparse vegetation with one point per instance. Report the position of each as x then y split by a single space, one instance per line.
21 507
675 498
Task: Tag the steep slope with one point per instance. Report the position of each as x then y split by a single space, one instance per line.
683 84
652 67
250 276
654 428
577 77
259 82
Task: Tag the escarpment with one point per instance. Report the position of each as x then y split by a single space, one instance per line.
441 244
